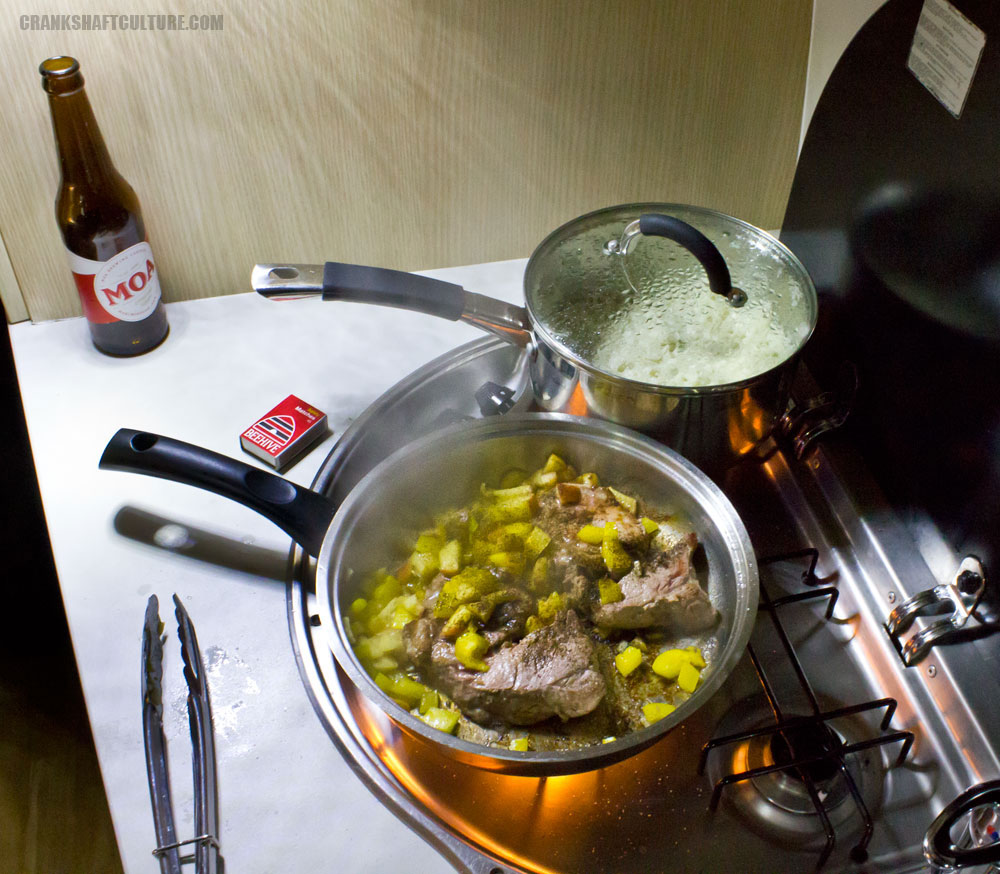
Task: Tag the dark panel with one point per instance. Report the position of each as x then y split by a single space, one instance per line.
895 211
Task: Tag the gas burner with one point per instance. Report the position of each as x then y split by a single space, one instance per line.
801 779
788 788
792 784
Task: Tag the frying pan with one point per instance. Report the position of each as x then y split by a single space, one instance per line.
443 470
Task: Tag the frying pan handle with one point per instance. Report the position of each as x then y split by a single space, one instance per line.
938 847
301 513
659 225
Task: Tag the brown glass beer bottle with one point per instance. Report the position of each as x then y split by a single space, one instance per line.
101 223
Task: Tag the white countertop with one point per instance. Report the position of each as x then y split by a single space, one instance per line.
288 802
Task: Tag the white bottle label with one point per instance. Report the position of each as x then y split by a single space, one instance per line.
126 288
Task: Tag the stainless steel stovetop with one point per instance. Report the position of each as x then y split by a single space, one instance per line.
907 740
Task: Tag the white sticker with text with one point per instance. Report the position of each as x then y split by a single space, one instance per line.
945 53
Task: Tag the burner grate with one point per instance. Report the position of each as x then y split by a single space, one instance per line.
807 747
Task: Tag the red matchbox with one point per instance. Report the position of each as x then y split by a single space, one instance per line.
283 434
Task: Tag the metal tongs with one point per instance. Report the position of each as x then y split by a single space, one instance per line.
206 857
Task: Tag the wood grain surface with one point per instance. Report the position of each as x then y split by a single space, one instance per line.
401 133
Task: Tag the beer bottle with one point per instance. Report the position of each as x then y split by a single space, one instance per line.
101 224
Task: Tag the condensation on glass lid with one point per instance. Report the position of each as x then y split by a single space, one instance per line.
699 342
650 315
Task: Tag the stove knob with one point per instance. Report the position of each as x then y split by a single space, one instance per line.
940 850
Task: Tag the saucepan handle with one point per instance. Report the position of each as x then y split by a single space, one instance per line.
301 513
711 260
355 283
393 288
939 848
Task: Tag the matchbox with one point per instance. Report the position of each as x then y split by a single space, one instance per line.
284 433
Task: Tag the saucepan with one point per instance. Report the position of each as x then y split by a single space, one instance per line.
678 321
443 470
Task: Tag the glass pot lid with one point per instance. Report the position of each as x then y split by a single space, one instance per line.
641 307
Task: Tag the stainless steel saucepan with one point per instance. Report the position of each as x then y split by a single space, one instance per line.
677 321
442 470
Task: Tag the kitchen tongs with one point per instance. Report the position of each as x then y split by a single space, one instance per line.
206 857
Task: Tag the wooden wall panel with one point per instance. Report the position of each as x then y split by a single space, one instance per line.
404 133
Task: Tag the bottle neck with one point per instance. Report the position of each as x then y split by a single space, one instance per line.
83 157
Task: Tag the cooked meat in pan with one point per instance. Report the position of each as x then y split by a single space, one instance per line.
661 592
550 613
551 672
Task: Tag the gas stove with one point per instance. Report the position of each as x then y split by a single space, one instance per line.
824 750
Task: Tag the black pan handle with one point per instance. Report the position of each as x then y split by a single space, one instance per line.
393 288
938 847
358 284
303 514
719 280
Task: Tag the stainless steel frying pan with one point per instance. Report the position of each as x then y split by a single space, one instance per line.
442 470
